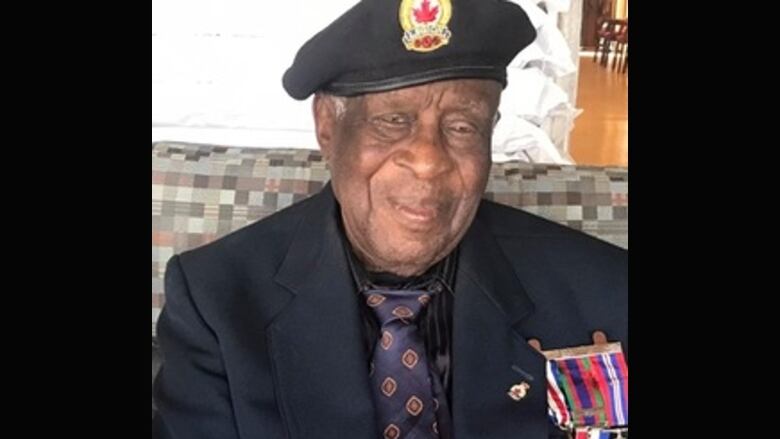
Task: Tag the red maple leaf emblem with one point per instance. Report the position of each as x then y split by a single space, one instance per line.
425 14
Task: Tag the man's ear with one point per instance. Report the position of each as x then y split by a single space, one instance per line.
325 124
496 118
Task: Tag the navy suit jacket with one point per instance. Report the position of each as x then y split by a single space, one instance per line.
261 332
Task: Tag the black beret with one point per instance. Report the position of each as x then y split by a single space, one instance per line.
381 45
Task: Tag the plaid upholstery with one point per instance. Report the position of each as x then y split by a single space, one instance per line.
591 199
202 192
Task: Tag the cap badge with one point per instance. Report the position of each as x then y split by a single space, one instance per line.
425 24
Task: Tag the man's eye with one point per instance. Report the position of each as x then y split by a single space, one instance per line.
462 128
394 119
392 126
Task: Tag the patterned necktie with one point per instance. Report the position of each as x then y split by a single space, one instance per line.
403 385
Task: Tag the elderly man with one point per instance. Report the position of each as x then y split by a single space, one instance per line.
396 303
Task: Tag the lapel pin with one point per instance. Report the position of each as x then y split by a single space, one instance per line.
518 391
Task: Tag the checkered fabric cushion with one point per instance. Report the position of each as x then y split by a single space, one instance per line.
591 199
202 192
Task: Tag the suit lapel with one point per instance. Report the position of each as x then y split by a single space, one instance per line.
316 343
489 354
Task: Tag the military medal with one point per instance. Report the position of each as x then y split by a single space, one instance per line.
587 386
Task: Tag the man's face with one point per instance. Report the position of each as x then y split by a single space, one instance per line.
409 167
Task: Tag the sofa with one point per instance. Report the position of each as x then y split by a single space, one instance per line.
201 192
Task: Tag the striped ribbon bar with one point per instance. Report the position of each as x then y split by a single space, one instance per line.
587 386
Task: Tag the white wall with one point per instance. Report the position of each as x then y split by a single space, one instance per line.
217 69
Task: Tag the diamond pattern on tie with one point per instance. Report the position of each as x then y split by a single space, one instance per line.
403 312
402 382
375 300
387 340
410 358
414 406
388 387
392 432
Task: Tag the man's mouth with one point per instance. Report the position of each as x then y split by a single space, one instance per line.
419 215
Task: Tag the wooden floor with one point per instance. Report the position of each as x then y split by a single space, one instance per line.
600 135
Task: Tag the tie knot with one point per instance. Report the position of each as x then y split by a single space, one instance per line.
391 305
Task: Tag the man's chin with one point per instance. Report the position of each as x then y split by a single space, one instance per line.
416 256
